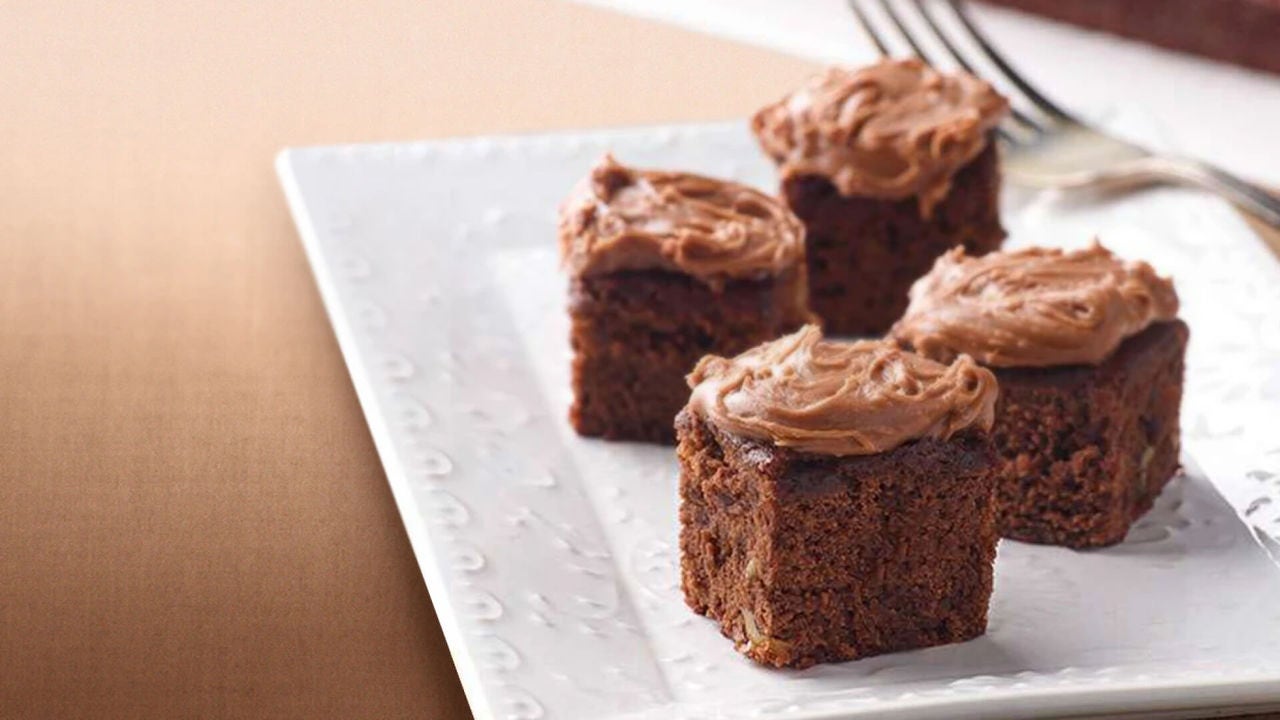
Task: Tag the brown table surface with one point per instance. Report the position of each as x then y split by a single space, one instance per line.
193 520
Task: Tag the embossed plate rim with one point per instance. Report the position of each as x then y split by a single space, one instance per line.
406 503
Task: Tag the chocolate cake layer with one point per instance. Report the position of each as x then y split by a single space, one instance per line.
864 253
635 336
806 558
1086 449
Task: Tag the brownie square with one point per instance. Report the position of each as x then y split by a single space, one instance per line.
1086 449
864 252
805 558
636 334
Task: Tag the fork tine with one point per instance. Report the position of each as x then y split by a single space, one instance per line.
953 50
1040 101
927 12
905 31
868 28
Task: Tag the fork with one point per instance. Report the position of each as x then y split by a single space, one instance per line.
1046 146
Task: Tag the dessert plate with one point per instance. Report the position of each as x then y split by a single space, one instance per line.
552 560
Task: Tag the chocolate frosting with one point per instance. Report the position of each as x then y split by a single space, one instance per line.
620 218
1033 308
892 130
841 398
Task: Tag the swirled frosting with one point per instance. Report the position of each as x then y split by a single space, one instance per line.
840 398
892 130
1033 308
620 218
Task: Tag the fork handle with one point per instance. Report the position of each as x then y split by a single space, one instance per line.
1249 197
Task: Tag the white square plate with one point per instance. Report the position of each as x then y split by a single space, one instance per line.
551 559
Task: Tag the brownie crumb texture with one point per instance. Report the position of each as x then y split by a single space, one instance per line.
864 253
1086 450
805 558
636 334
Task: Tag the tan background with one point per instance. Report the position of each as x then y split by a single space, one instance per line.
193 521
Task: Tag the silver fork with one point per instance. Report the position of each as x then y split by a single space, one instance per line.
1046 146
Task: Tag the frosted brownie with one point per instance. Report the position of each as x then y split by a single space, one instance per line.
888 167
1089 354
664 268
836 499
